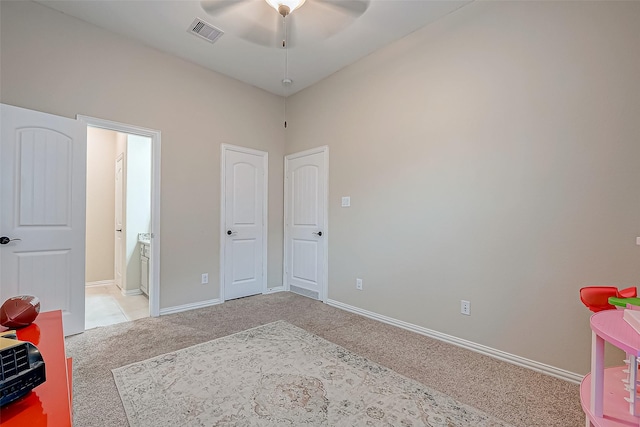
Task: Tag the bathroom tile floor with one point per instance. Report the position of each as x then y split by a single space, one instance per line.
105 305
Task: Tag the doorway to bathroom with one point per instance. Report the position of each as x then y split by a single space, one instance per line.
121 229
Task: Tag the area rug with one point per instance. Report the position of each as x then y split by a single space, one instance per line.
280 375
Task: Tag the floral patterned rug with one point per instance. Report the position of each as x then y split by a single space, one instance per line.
281 375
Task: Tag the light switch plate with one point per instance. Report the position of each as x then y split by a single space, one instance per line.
346 202
638 241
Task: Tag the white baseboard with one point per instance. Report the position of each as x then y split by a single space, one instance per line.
469 345
208 303
130 292
191 306
99 283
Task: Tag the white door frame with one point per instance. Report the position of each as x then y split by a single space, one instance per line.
324 288
224 148
154 259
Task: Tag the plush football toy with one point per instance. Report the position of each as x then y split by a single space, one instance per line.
20 311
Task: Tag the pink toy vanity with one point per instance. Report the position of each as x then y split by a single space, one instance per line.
605 394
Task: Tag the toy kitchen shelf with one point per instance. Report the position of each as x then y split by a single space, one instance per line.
604 398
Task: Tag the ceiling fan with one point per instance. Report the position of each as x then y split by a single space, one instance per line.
293 23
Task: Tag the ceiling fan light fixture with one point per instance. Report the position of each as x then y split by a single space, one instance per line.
285 7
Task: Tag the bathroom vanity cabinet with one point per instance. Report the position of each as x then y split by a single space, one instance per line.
144 267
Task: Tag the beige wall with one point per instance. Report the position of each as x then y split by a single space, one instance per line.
100 204
493 157
490 157
69 67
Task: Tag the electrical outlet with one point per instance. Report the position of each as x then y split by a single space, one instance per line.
359 284
205 278
465 307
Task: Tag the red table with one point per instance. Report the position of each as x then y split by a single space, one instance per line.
49 404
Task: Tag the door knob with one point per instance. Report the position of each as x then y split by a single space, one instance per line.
4 240
319 233
229 232
119 231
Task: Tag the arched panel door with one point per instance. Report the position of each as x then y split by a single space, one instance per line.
43 182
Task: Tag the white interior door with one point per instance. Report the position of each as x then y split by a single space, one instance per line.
43 182
244 219
305 270
118 233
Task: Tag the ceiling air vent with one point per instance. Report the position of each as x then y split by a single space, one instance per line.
205 30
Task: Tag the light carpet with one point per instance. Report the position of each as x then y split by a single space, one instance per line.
279 374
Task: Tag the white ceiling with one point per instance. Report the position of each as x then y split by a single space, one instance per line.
323 37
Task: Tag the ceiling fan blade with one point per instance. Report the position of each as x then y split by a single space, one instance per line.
351 7
264 28
257 35
214 7
316 22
